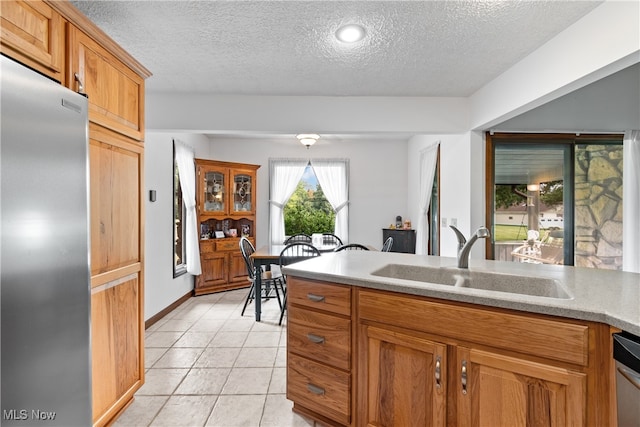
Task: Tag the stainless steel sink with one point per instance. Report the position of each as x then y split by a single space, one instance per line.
498 282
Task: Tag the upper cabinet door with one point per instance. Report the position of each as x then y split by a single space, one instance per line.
33 33
214 190
243 192
115 92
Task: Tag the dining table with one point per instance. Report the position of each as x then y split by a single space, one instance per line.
268 255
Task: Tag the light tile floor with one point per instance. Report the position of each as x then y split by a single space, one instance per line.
206 365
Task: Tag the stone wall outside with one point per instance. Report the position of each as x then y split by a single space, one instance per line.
598 206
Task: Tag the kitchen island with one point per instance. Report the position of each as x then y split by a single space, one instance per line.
367 346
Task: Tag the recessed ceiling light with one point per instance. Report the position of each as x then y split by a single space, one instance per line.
350 33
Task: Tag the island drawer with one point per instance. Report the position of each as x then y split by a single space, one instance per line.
523 333
319 388
322 337
319 295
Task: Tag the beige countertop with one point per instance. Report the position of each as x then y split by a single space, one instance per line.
611 297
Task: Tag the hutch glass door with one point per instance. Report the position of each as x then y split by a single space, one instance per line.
214 192
242 188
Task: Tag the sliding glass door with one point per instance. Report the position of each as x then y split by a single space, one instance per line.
532 212
555 199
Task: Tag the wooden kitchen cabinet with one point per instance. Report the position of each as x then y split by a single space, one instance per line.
319 344
513 391
115 166
116 360
54 38
114 90
32 32
502 368
427 362
117 285
226 200
403 379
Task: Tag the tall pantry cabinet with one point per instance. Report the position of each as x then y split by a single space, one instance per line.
54 38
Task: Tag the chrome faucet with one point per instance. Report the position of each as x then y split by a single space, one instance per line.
464 247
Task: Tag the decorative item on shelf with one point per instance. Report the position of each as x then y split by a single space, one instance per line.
205 233
407 224
245 230
398 221
232 232
219 234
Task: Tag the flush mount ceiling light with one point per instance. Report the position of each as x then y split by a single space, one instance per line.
308 139
350 33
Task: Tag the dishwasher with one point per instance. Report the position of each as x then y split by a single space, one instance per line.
626 352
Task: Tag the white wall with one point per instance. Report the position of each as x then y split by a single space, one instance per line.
455 184
204 113
377 177
161 289
603 42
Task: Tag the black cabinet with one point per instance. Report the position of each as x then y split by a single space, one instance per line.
403 240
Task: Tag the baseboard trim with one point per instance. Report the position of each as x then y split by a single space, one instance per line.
167 310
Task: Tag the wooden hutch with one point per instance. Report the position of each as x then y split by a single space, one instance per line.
226 203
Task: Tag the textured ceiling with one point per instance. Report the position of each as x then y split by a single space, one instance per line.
412 48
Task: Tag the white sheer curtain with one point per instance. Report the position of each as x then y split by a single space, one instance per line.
631 202
187 175
284 177
333 178
428 158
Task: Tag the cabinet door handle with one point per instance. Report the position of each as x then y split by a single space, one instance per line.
76 76
315 298
438 373
315 389
317 339
464 377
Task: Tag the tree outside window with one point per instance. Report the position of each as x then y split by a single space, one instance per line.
308 210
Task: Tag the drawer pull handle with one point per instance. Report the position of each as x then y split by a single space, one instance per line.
464 377
438 374
315 389
315 298
317 339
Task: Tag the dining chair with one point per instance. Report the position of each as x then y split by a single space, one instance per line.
386 246
292 253
351 247
300 237
269 281
330 239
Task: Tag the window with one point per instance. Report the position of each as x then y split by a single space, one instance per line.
285 176
555 199
179 214
308 211
433 214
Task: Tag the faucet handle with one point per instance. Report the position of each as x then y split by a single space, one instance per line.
461 239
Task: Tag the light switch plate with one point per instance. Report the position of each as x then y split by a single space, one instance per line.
454 222
444 222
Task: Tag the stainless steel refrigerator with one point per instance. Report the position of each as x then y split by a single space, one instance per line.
45 276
